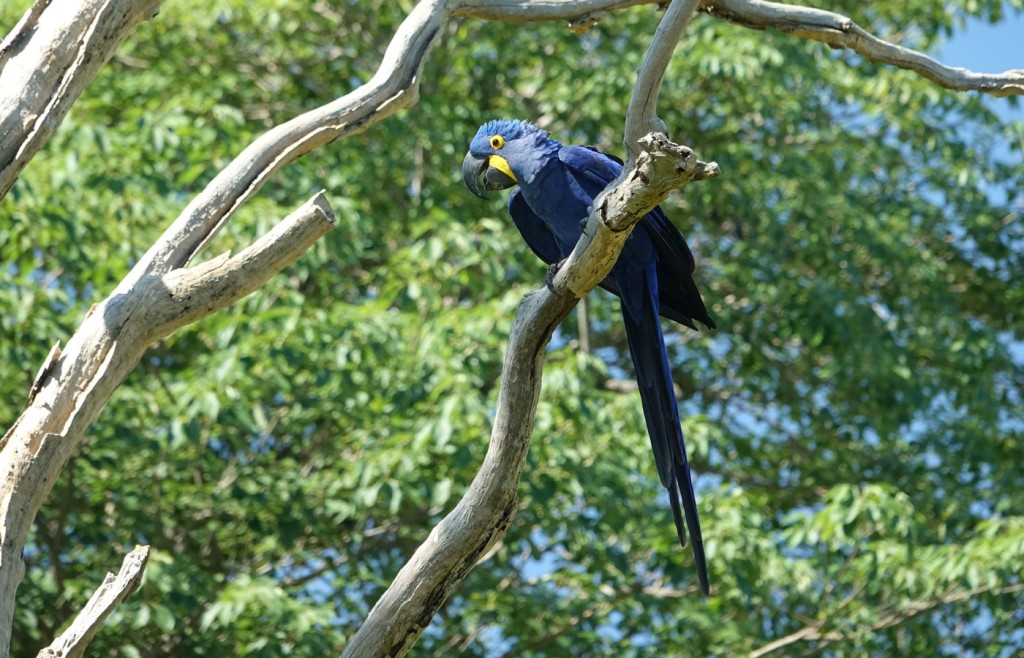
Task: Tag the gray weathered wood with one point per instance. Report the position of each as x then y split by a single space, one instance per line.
60 45
482 516
73 642
839 31
46 61
99 356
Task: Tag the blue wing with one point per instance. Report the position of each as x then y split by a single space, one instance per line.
533 229
539 237
679 297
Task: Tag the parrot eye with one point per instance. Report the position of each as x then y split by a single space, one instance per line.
497 142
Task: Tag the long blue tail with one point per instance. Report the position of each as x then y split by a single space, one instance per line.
650 359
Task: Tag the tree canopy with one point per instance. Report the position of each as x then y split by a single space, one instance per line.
854 421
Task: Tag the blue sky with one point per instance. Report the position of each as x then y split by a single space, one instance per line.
988 48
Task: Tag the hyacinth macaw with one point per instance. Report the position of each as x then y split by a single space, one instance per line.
653 276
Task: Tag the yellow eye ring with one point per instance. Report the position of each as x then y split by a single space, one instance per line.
497 142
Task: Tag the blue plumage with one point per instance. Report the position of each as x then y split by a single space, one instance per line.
653 276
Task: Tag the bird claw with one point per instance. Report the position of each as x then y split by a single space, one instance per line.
549 278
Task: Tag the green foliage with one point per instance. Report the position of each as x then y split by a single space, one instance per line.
855 420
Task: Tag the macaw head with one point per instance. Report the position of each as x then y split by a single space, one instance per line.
503 153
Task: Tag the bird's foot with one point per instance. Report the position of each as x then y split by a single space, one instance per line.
549 278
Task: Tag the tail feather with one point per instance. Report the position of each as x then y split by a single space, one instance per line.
661 413
692 521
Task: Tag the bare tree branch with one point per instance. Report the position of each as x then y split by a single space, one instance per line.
660 167
642 113
74 39
115 333
99 356
483 515
840 31
34 100
827 27
197 291
155 296
73 642
576 11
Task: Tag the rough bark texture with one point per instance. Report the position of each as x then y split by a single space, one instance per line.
483 515
60 45
104 349
841 32
73 642
45 63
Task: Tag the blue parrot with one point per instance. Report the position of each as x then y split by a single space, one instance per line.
653 276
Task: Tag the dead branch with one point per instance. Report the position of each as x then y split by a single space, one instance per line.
73 642
98 357
893 617
157 296
74 39
840 31
483 515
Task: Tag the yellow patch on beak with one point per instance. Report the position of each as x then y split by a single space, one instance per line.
501 164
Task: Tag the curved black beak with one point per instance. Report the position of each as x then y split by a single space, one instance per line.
475 167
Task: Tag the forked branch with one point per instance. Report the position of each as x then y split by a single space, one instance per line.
104 349
72 391
483 515
73 642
